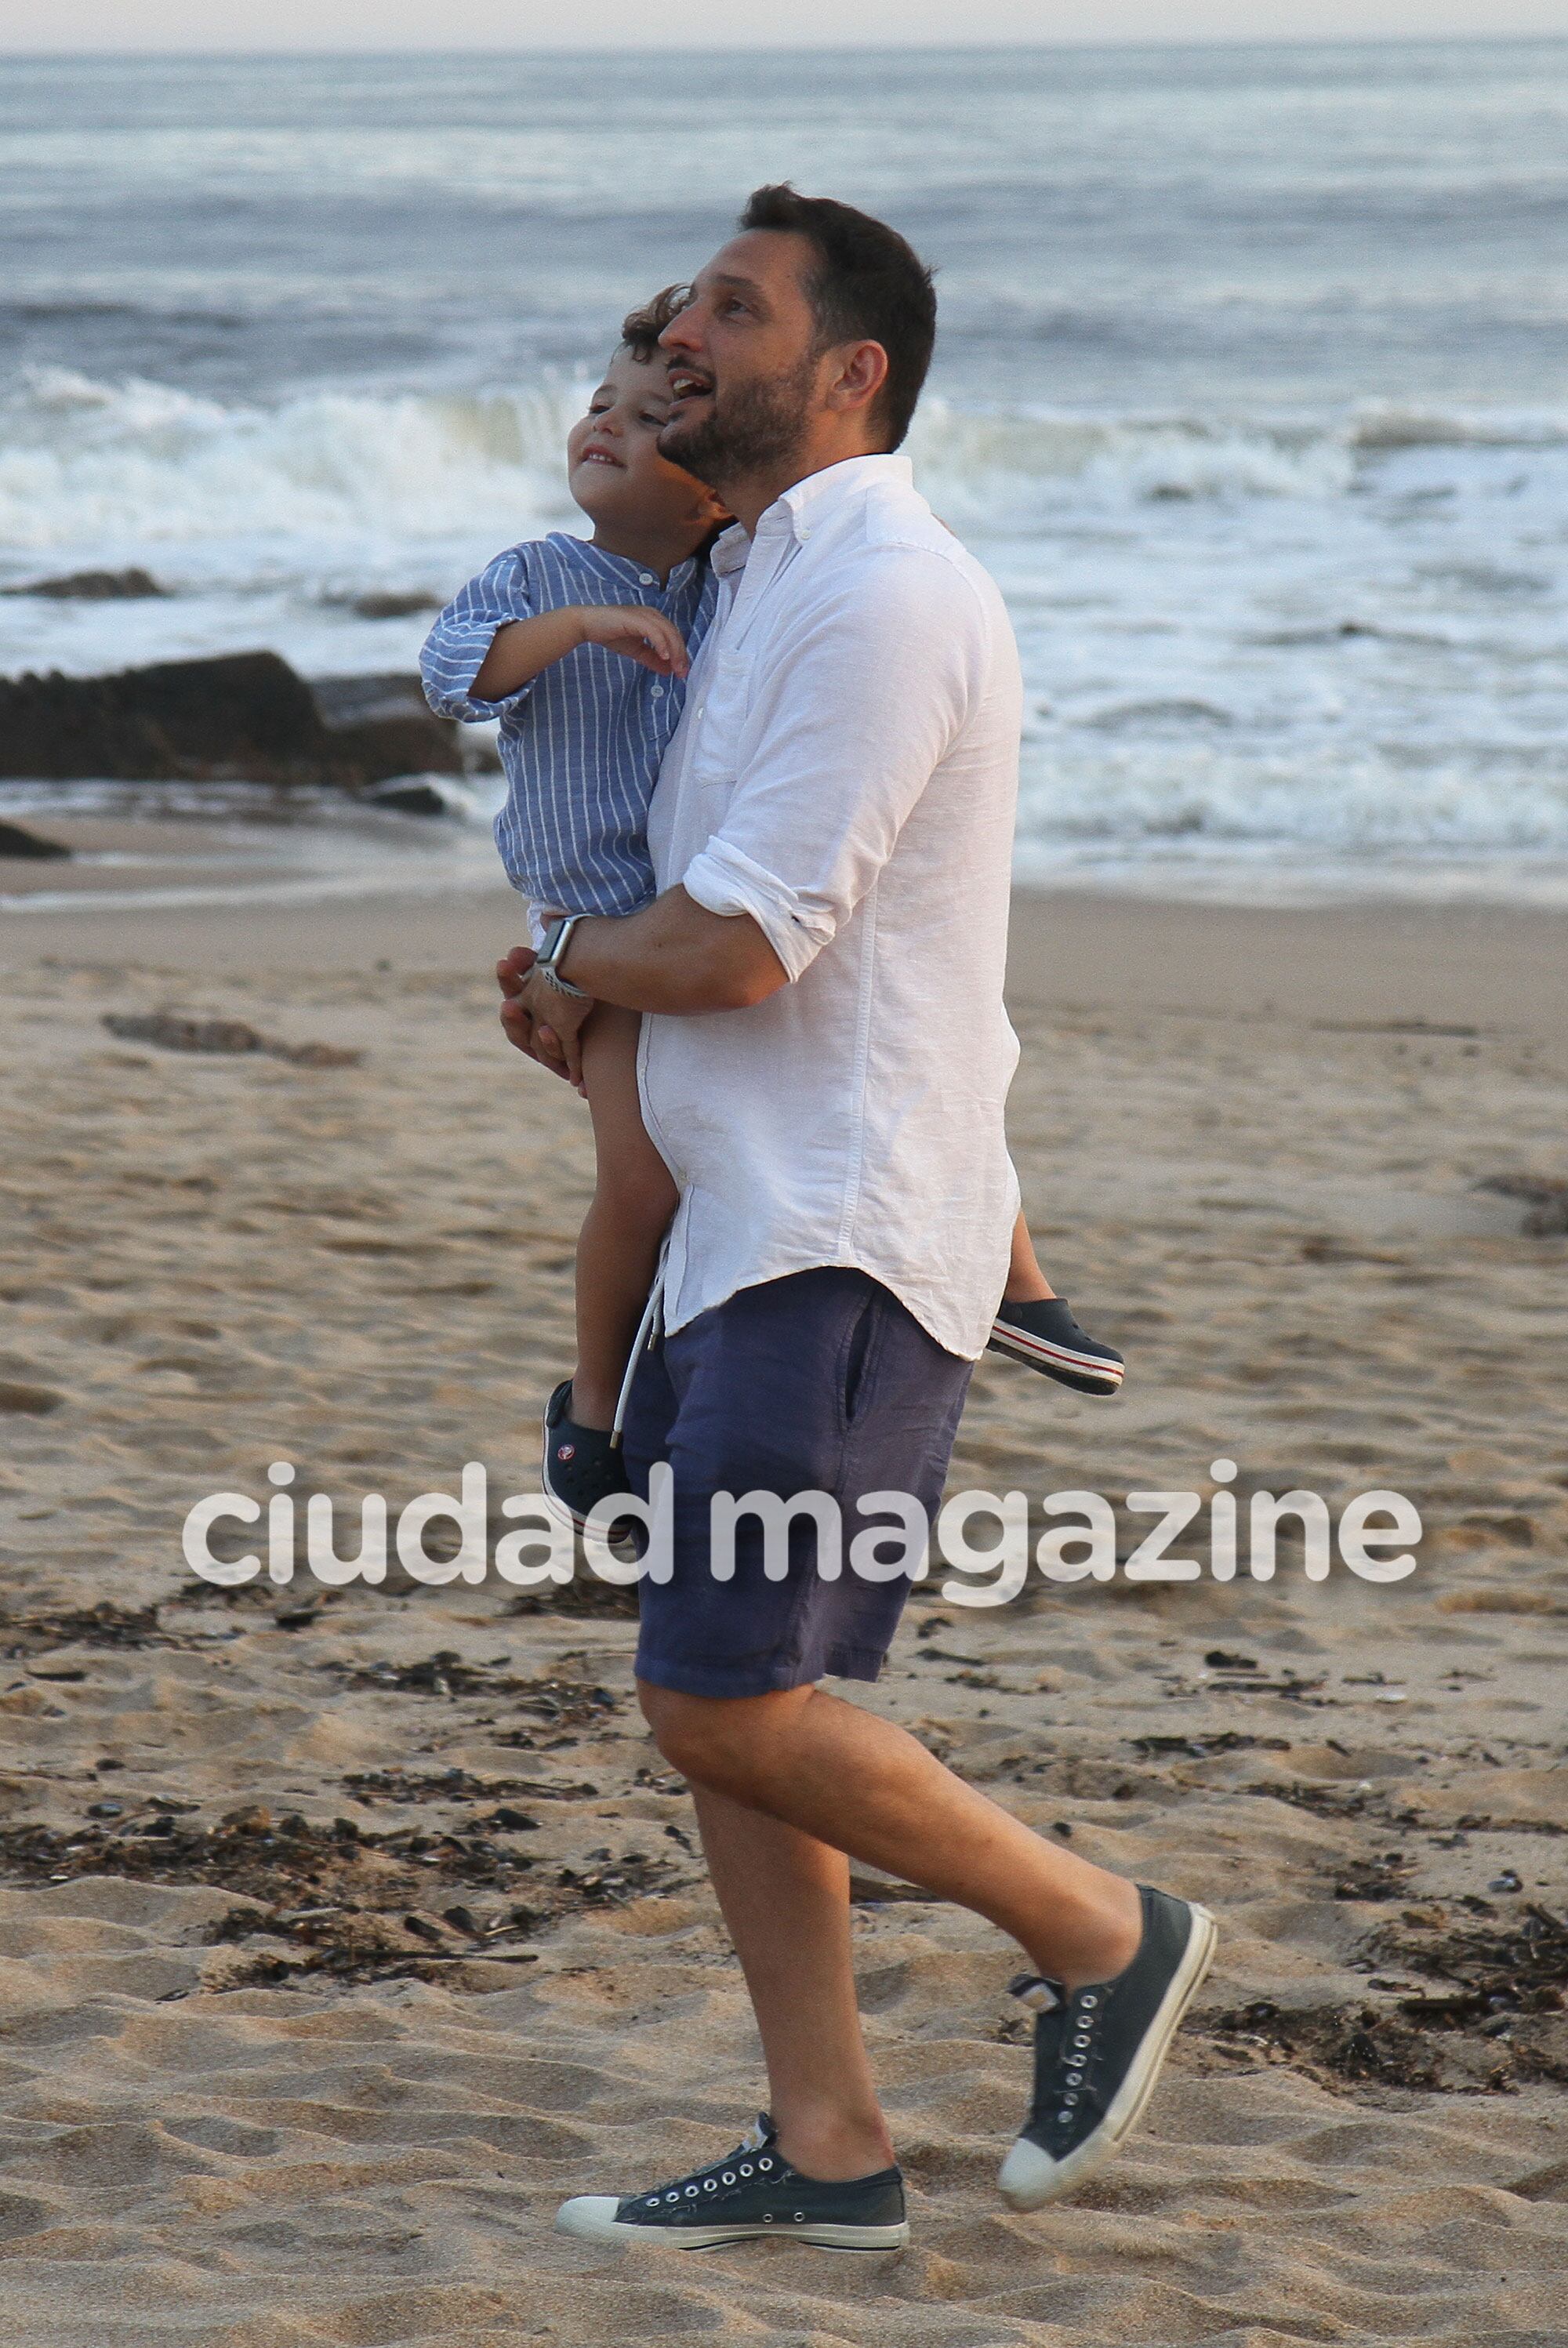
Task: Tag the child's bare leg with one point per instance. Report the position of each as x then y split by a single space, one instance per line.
1026 1283
633 1199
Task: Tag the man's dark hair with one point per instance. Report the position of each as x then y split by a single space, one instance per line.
640 329
865 284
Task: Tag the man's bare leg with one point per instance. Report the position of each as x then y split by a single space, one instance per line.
844 1778
786 1901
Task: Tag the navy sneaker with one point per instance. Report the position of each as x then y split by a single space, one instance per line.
581 1467
1097 2052
751 2193
1044 1333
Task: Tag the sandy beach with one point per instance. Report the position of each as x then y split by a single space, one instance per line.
342 1934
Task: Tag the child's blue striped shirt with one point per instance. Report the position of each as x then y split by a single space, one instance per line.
581 745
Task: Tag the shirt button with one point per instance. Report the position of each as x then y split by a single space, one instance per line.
658 693
647 578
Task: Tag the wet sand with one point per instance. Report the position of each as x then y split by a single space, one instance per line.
306 2035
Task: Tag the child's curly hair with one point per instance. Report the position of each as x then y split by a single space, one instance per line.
640 329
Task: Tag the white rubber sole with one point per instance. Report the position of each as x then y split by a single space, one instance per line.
591 2217
1029 2177
1039 1353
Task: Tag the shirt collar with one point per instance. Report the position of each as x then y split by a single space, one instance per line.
822 495
622 566
802 509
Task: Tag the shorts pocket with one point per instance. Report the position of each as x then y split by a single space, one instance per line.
858 1351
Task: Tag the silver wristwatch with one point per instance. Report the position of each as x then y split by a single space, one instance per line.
557 937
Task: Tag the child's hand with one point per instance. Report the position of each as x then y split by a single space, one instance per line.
558 1029
539 1019
638 632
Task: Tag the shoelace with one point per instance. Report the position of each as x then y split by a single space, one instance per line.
1082 2015
752 2156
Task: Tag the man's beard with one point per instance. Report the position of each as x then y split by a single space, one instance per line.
754 430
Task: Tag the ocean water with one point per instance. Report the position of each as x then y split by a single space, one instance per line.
1252 391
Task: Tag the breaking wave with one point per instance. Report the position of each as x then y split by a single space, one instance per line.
85 463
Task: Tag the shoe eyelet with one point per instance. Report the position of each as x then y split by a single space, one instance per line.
1063 2117
710 2185
729 2176
765 2163
746 2169
691 2192
1092 2000
653 2202
799 2217
767 2217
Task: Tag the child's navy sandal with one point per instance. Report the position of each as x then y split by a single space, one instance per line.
582 1464
1044 1334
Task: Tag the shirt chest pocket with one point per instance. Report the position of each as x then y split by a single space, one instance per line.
723 703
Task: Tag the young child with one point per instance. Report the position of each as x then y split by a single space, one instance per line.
581 647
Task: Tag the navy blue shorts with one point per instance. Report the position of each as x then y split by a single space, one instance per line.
821 1382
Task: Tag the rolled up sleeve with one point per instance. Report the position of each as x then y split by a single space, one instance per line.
854 716
725 879
455 649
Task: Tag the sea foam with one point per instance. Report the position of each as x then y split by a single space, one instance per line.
1338 634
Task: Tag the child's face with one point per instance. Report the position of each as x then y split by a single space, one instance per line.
613 468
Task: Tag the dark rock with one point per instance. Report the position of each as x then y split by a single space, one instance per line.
132 585
178 1033
17 842
242 717
376 693
408 796
174 1032
384 606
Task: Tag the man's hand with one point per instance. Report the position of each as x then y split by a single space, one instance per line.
538 1018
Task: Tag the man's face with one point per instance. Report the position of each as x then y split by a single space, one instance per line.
744 365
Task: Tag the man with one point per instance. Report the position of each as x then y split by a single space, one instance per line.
824 1067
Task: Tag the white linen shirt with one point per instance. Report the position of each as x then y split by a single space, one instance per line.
846 771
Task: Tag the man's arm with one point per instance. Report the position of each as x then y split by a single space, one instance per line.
674 955
859 709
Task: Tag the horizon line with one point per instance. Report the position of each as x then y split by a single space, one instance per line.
1490 38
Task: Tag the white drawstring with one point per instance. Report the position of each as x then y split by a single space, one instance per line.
646 1329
